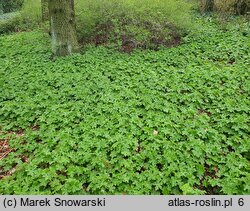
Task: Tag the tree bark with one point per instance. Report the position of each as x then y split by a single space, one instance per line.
45 10
62 24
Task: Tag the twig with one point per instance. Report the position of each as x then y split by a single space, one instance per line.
5 154
2 147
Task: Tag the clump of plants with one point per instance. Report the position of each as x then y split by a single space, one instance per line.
7 6
238 7
26 19
226 7
133 23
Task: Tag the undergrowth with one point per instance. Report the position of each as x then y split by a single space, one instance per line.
133 23
175 121
10 5
28 18
145 24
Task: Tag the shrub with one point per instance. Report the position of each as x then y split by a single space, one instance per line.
133 23
28 18
10 22
239 7
233 7
11 5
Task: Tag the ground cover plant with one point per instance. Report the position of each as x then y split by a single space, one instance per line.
173 121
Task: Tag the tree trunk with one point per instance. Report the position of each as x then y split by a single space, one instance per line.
62 24
206 5
45 10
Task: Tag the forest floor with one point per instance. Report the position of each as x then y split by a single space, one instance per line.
173 121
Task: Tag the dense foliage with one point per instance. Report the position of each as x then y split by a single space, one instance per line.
142 23
226 7
175 121
239 7
125 24
10 5
28 18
